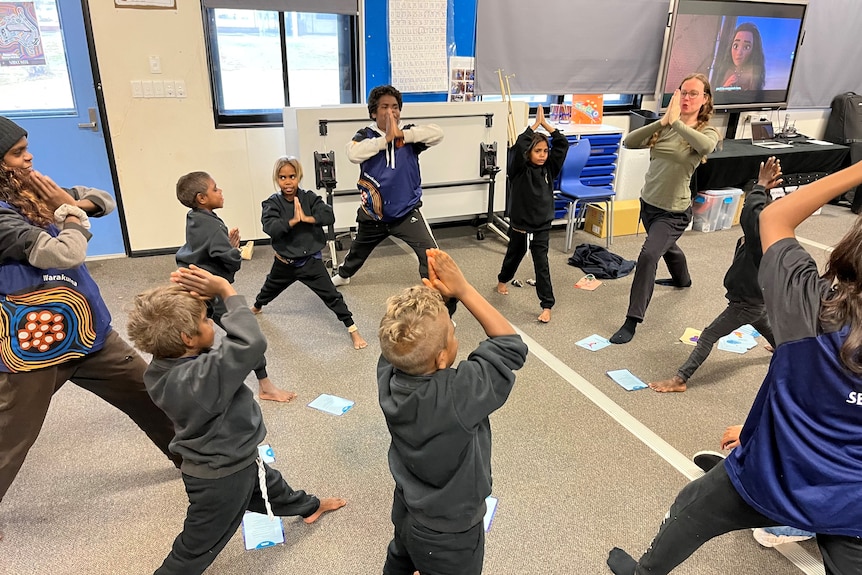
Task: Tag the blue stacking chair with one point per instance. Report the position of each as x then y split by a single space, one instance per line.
576 192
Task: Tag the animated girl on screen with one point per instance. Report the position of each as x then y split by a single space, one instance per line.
743 65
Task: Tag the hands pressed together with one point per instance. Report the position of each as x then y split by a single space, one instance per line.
444 275
673 110
541 121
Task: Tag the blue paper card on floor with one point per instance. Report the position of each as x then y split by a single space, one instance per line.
594 342
626 379
490 509
259 531
748 329
266 454
331 404
737 342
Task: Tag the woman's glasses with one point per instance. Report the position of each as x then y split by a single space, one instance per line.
692 95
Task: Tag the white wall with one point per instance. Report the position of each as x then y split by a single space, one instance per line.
157 140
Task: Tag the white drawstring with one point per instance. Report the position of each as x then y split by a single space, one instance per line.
261 478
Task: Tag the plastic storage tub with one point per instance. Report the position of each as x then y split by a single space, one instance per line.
715 209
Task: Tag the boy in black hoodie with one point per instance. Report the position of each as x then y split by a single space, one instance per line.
744 296
211 246
440 455
218 424
532 171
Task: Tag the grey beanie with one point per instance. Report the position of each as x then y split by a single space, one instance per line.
10 133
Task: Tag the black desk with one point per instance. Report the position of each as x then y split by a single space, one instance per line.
739 161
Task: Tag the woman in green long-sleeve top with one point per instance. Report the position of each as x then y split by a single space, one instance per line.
678 143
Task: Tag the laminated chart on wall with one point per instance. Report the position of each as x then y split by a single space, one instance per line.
417 45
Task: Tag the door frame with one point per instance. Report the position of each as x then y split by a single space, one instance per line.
103 115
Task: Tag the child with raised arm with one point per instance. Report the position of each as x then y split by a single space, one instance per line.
532 171
294 218
390 182
798 462
218 424
744 296
437 415
211 246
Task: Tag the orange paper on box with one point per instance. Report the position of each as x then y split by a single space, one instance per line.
587 108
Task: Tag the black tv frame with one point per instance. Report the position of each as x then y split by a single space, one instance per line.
753 8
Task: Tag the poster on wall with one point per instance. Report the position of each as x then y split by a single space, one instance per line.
587 108
20 39
462 72
417 45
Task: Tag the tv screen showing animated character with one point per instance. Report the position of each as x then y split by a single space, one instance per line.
746 49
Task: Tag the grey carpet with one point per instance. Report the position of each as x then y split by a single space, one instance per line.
96 497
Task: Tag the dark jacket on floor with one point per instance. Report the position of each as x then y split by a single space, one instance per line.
596 260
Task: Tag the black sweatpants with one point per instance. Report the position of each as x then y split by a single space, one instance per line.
663 230
418 548
515 252
412 229
710 506
733 316
216 308
314 275
216 509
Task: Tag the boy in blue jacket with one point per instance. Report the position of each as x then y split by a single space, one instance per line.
390 183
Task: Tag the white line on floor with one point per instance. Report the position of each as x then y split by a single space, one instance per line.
792 551
813 244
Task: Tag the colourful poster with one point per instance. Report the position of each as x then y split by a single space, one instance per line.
587 108
20 40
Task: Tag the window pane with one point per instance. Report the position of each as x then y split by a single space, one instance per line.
249 59
312 59
543 99
34 77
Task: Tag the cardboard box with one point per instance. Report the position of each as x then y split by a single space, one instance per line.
626 219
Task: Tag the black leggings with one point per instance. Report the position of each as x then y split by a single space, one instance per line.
663 230
711 506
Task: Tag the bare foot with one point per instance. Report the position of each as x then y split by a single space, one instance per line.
255 310
545 316
358 342
502 288
673 384
328 504
270 392
768 348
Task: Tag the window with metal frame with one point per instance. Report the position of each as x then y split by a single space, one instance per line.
263 60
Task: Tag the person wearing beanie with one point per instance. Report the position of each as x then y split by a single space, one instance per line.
55 327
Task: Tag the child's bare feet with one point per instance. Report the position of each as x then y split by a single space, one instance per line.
545 316
327 504
502 288
270 392
358 342
675 383
255 310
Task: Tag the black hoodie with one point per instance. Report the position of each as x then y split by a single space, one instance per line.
532 186
440 455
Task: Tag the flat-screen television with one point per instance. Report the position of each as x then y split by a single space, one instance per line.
746 49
